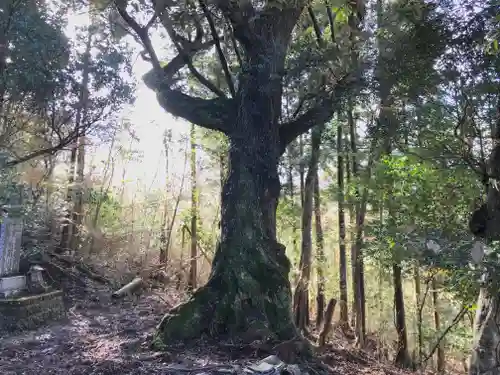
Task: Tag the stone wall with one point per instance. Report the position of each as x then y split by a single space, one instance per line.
30 312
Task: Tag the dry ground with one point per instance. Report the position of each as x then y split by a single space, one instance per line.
105 337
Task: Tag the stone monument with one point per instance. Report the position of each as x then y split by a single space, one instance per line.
25 300
11 229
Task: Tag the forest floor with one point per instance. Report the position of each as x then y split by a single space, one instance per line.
105 337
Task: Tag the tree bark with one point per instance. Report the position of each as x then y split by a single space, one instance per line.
437 326
301 169
320 254
248 293
352 166
291 188
484 358
301 297
402 358
193 269
418 302
344 317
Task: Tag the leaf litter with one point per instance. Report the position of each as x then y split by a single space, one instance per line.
101 336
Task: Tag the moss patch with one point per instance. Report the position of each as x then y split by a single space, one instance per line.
247 297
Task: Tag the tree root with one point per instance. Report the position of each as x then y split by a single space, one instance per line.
221 309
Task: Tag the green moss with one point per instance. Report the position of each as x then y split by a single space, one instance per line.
246 296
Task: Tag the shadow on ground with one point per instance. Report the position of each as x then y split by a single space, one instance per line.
105 337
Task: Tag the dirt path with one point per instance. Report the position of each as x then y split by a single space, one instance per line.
103 337
97 338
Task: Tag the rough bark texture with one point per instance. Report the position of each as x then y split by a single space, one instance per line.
248 292
485 358
402 358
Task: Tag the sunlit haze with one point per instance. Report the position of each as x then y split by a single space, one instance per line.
149 122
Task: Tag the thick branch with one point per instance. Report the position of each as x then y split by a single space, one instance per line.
216 114
319 114
239 13
218 47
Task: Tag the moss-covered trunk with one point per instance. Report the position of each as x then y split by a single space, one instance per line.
248 293
485 358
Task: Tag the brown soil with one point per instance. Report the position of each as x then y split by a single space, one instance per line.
102 336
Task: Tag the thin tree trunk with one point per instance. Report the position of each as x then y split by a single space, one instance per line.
103 192
354 203
65 233
70 230
344 316
291 188
437 326
193 270
79 193
164 256
320 255
402 357
301 168
301 297
418 302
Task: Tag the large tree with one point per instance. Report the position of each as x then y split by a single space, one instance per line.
248 292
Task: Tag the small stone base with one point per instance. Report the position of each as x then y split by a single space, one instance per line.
11 286
31 312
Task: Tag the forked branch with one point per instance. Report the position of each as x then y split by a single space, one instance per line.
216 114
239 13
319 114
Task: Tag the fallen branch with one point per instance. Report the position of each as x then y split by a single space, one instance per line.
132 286
79 266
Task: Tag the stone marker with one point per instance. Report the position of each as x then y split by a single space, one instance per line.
11 231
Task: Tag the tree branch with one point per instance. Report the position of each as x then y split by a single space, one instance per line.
319 114
239 14
216 114
216 39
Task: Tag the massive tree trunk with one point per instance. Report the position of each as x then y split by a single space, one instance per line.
485 358
248 291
